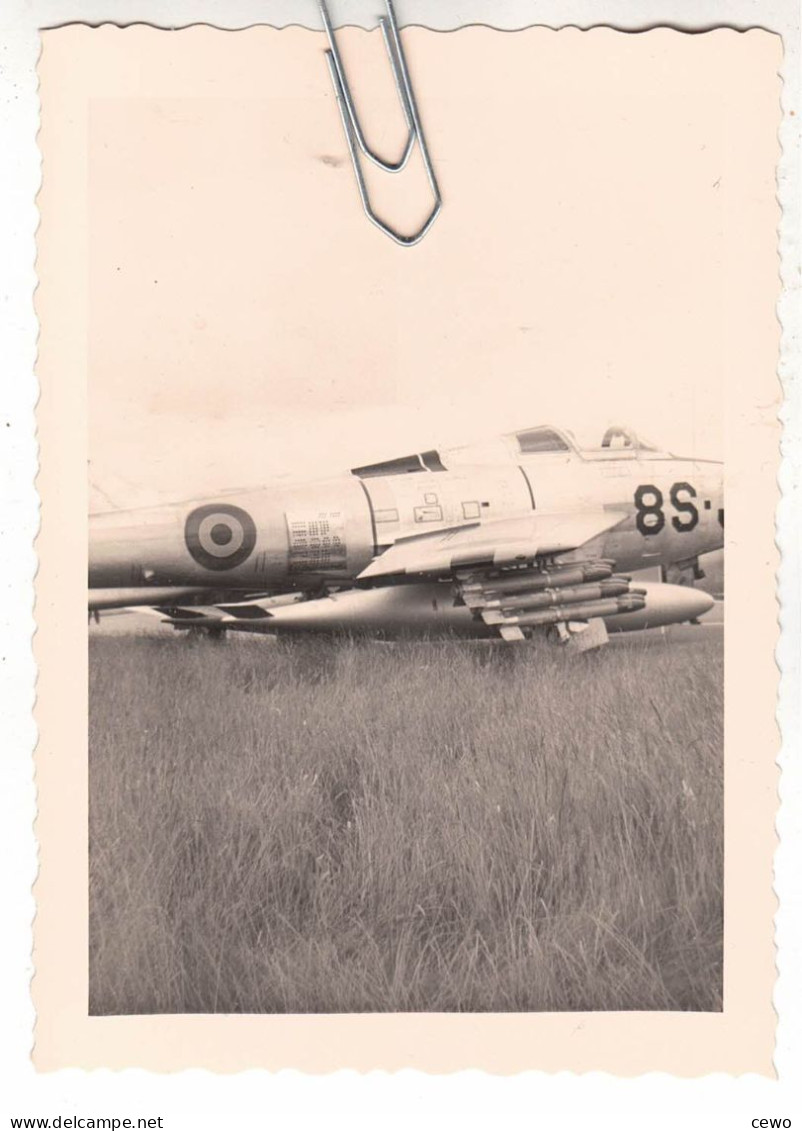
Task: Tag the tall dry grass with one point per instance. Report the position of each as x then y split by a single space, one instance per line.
344 826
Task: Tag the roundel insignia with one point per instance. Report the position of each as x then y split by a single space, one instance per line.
220 536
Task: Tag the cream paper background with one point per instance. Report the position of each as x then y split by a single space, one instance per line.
683 312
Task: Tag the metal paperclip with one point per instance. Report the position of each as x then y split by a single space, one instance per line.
354 134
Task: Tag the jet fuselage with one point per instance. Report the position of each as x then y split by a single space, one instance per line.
666 510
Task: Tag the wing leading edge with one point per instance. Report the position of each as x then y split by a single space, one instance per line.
496 544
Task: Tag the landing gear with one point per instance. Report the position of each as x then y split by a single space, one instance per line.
217 635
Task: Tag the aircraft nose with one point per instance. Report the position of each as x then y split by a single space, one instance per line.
719 496
710 480
718 484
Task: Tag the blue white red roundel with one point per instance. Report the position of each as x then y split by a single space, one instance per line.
220 536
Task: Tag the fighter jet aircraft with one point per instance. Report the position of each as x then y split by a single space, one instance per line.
529 533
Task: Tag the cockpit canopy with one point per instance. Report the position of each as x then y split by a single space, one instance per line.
617 442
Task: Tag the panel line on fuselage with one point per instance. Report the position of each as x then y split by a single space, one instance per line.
528 483
372 514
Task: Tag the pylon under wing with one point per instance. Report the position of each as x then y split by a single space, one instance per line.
504 542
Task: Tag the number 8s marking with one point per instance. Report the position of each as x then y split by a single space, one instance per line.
650 517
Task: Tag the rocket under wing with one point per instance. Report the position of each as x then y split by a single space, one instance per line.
499 542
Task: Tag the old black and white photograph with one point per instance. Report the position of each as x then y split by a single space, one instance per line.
406 486
406 568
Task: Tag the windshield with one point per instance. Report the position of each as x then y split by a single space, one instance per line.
541 440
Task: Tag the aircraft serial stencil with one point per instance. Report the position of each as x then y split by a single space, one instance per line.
316 541
527 534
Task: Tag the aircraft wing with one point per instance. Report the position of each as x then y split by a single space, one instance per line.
492 545
110 599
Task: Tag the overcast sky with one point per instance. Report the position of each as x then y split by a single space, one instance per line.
246 322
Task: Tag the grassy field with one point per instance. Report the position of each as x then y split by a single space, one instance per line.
318 826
